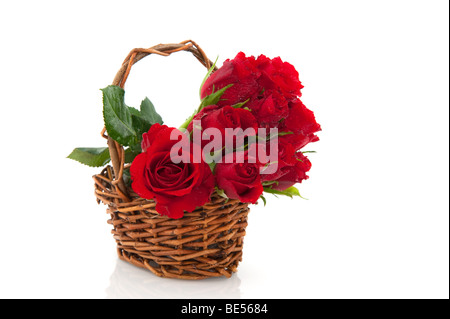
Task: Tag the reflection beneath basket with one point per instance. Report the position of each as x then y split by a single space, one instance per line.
128 281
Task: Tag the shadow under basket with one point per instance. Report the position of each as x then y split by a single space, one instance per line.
205 243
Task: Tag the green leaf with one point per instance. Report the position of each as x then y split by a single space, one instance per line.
117 116
285 133
123 123
136 148
306 152
141 126
279 134
267 183
211 69
213 98
94 157
267 166
134 111
264 200
131 153
127 177
290 192
212 166
148 112
239 105
221 192
145 118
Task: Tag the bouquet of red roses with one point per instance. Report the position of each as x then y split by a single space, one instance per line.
244 139
178 197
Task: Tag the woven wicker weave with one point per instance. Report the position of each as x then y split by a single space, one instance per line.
205 243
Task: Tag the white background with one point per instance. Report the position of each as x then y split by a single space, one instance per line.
376 224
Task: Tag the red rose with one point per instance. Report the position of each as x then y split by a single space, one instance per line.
224 117
175 187
290 172
251 78
240 180
302 123
270 109
240 72
285 157
278 75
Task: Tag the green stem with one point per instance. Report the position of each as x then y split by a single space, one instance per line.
190 118
211 99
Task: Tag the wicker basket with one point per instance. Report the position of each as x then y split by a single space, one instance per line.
205 243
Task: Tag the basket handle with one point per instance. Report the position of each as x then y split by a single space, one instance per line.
116 150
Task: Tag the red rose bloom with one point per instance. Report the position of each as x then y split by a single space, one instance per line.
175 187
240 72
286 157
278 75
224 117
302 123
270 109
240 180
251 77
290 171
